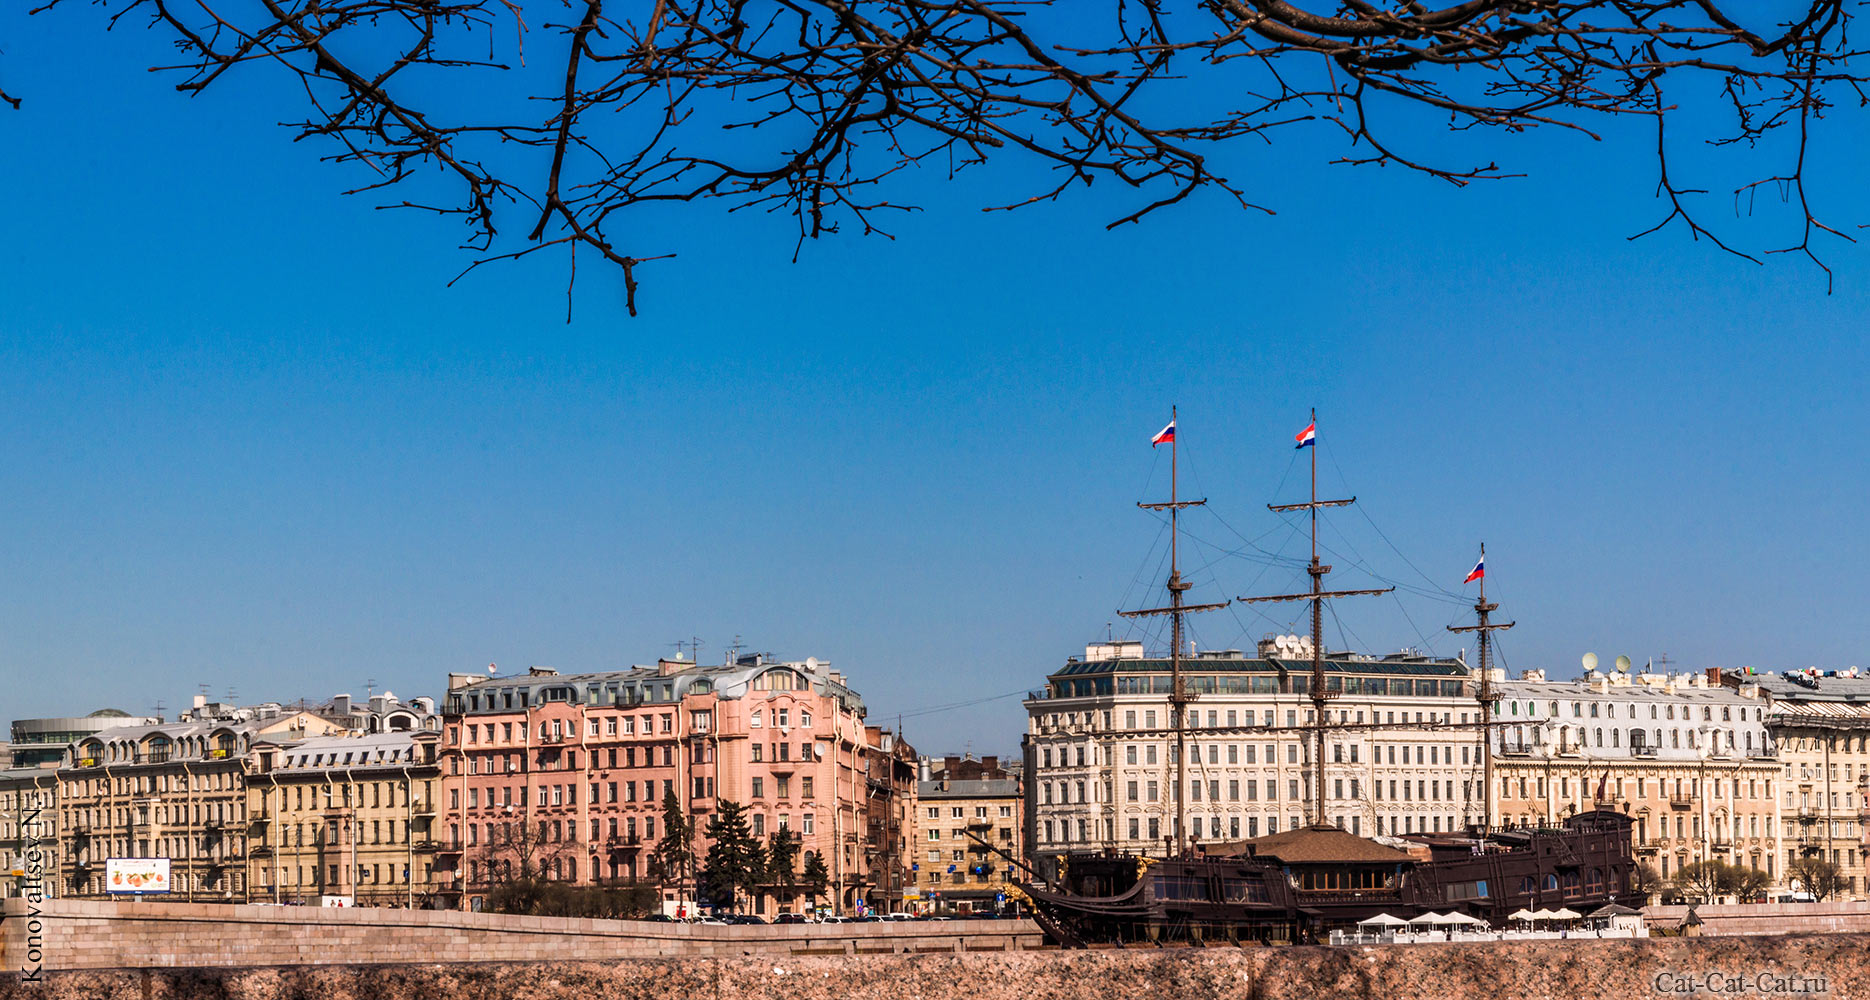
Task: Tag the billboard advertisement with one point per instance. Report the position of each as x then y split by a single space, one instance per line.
136 875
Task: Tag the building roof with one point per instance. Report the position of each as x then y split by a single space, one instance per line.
1314 845
645 685
1804 686
1337 663
392 749
983 789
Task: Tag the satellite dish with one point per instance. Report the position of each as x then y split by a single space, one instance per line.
1623 664
1590 662
811 663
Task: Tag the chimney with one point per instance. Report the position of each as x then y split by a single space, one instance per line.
341 704
201 702
666 666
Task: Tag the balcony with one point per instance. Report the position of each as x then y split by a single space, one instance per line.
258 851
1643 751
1680 801
1516 749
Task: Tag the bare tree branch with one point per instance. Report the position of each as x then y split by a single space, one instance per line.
814 108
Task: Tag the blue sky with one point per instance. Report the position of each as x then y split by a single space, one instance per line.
252 440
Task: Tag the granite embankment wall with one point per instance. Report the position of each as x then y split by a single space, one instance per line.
1835 967
1767 918
80 934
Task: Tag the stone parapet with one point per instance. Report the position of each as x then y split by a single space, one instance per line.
1844 917
86 934
1547 970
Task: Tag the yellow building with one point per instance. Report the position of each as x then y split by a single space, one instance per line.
349 816
1822 727
176 790
952 871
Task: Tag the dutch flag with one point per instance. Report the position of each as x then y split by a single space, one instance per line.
1309 435
1165 434
1479 570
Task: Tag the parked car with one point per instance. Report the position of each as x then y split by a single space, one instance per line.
746 918
660 918
791 918
899 916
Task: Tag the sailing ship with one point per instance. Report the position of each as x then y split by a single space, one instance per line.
1297 885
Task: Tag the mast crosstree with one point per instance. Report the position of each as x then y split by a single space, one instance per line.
1320 697
1178 687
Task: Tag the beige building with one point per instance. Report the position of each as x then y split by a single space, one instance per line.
1821 725
29 847
1691 761
176 790
349 816
961 803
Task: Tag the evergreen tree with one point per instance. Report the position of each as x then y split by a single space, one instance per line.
782 858
675 852
816 877
736 862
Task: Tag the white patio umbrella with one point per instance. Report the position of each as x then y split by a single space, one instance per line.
1566 913
1427 919
1520 914
1541 914
1462 918
1383 920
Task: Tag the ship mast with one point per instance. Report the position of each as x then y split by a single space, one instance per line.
1484 692
1317 596
1178 688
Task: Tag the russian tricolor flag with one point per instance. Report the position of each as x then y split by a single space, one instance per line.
1479 570
1309 435
1165 434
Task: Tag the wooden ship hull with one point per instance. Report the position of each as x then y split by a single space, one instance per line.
1250 897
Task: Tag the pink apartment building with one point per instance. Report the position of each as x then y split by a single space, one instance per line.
565 775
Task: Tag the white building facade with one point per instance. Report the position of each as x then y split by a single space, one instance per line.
1100 748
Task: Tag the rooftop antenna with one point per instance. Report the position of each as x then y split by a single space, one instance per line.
1484 692
370 688
1307 438
733 650
1178 688
158 708
1663 661
1110 632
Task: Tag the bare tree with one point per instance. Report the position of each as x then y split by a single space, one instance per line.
1816 876
581 122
